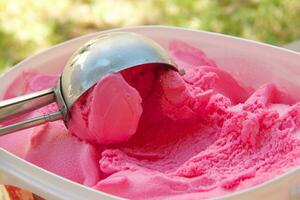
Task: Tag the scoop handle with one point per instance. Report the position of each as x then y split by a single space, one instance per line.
17 106
30 123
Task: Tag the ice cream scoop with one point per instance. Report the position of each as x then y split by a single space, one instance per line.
108 53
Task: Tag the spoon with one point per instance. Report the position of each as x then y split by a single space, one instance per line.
108 53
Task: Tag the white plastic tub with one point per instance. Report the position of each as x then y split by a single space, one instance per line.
249 62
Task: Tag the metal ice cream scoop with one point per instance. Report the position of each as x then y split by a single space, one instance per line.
108 53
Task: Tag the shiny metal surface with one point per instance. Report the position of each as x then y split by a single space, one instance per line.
30 123
108 53
20 105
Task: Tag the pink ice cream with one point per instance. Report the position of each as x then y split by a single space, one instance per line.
108 113
160 135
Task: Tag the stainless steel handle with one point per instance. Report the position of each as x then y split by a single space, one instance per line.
30 123
20 105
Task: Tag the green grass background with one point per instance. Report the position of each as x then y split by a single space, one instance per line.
27 26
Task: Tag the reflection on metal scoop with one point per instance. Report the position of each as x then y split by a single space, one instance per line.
108 53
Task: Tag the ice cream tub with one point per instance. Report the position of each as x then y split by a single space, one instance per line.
251 63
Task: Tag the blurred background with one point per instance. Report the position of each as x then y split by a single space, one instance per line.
28 26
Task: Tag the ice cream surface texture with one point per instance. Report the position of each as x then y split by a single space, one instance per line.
153 134
108 113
